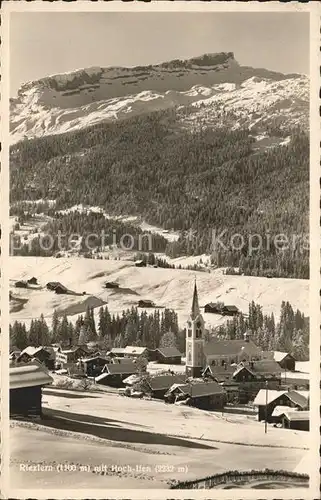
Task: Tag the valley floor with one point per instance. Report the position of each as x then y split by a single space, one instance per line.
89 433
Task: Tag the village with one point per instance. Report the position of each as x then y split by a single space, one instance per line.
233 381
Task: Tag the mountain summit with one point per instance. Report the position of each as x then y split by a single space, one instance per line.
71 101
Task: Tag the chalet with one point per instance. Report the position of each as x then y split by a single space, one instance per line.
57 287
160 384
92 366
285 360
298 420
220 373
111 284
268 400
33 281
204 395
70 355
26 382
230 311
21 284
214 308
115 360
140 263
167 355
114 374
133 351
221 352
146 303
40 353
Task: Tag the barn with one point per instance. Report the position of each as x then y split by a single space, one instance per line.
168 355
268 400
33 281
298 420
160 384
204 395
57 287
230 311
114 374
213 308
285 360
26 382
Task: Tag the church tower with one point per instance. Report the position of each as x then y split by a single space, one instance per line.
195 339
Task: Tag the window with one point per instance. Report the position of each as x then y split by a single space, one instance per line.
189 332
198 333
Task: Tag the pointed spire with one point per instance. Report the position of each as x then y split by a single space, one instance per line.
195 306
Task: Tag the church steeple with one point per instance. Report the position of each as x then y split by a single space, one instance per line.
195 305
195 339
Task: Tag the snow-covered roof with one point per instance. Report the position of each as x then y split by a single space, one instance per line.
279 355
28 375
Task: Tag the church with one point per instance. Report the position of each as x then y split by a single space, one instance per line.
200 354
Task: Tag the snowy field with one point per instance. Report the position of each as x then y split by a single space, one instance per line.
171 288
106 430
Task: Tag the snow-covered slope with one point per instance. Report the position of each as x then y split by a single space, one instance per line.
170 288
214 83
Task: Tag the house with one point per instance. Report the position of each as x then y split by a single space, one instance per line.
220 373
33 281
146 303
160 384
92 366
40 353
57 287
25 383
118 352
285 360
214 308
204 395
222 352
140 263
268 400
114 374
111 284
230 311
21 284
167 355
298 420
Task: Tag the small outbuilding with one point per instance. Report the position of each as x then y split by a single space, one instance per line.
230 311
146 303
33 281
21 284
111 284
26 382
298 420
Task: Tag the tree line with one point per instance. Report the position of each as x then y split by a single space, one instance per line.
289 334
181 179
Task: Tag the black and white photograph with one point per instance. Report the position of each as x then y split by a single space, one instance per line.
160 280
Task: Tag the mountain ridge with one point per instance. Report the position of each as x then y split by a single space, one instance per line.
69 101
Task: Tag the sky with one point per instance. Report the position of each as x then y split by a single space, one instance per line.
48 43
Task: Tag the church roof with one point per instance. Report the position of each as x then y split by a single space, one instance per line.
195 305
230 347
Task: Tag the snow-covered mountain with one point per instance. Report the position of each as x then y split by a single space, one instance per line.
215 86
